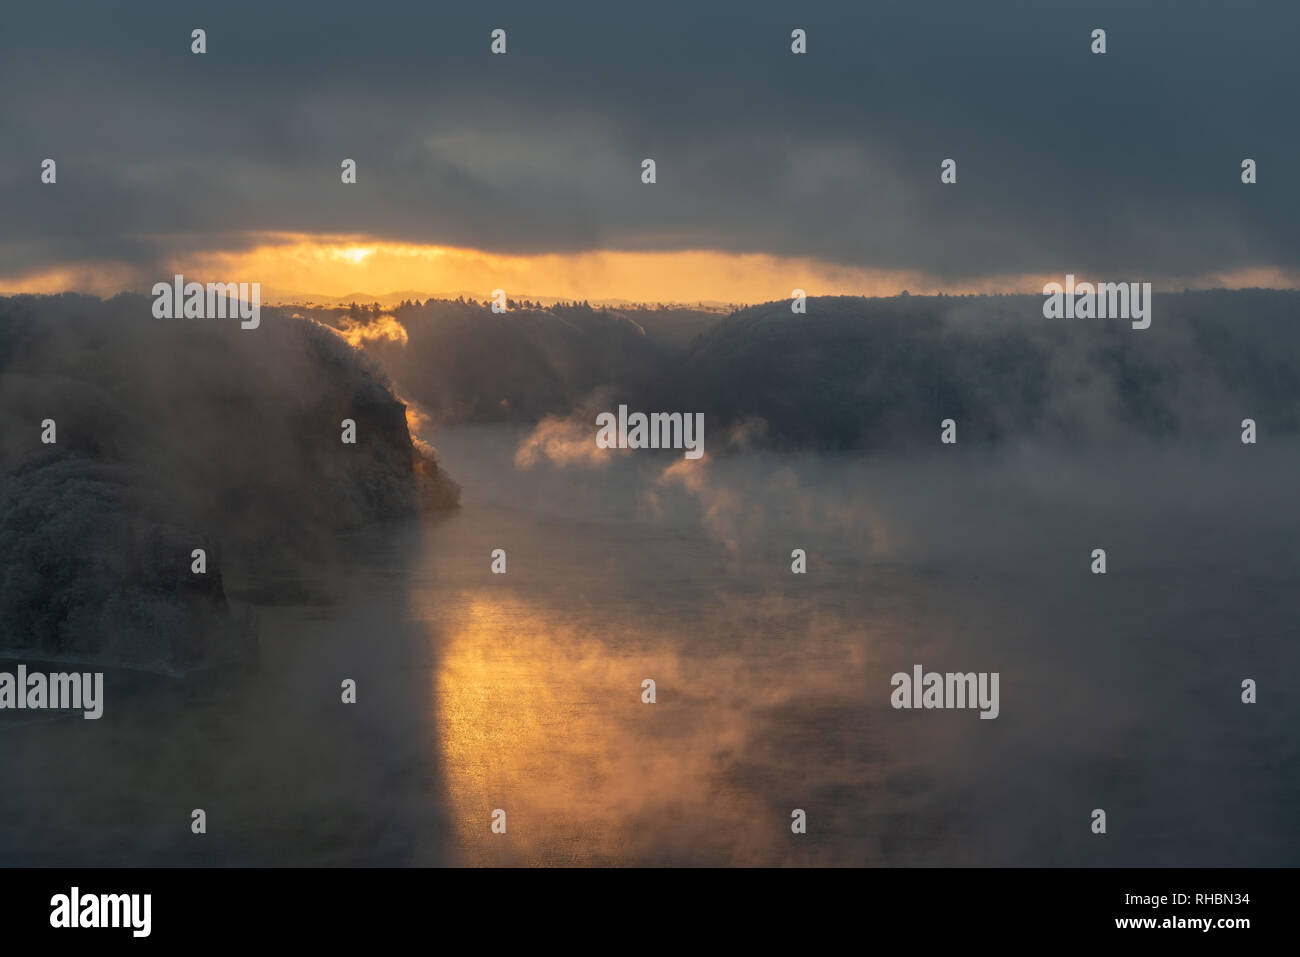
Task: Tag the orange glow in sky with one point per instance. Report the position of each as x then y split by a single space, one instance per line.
298 267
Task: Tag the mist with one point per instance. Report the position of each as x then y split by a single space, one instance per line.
1118 691
522 691
222 684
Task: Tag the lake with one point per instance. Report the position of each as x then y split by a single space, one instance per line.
523 691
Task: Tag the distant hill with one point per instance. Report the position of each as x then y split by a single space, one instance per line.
464 363
881 373
280 297
871 374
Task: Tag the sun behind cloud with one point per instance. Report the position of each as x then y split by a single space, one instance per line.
302 267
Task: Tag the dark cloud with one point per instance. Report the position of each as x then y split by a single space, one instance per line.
1127 163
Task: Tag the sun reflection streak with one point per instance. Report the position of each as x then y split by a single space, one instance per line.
539 718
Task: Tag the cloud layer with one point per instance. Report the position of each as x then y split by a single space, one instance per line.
1126 164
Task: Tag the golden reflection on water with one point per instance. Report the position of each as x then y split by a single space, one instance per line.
540 715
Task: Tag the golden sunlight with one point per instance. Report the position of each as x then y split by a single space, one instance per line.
546 724
305 268
296 267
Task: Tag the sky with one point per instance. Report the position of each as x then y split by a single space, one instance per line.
523 171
